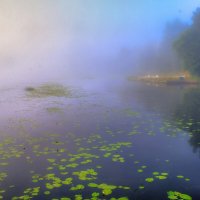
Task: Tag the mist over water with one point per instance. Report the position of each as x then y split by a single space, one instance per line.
73 125
49 40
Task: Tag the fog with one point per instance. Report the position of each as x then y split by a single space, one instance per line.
73 124
162 58
63 39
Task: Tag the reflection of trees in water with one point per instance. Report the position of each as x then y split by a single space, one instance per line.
178 105
195 142
162 99
188 113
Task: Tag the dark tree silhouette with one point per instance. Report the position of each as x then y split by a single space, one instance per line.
188 45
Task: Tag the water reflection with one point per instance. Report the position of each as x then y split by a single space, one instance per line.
179 106
188 114
162 99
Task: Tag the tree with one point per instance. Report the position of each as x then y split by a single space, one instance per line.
188 45
159 58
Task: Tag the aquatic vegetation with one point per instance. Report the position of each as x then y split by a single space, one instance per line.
178 195
54 110
130 112
106 155
47 192
187 179
51 160
77 187
143 166
161 177
89 174
164 174
86 161
106 189
36 178
72 165
67 181
141 187
149 180
115 146
180 176
94 185
124 187
61 167
133 132
118 158
3 175
81 160
95 196
121 198
53 181
28 193
48 90
78 197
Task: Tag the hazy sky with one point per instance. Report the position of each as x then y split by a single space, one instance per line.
40 37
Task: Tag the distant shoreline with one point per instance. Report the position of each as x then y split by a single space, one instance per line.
166 80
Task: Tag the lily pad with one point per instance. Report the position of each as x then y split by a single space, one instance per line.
149 180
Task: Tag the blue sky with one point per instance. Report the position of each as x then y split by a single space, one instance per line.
126 20
77 35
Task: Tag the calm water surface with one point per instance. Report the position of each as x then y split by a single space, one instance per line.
112 139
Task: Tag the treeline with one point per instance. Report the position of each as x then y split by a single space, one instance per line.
162 57
187 45
178 50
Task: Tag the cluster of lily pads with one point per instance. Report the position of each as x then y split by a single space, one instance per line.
65 176
48 90
178 195
82 168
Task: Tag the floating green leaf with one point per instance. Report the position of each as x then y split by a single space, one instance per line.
149 180
180 176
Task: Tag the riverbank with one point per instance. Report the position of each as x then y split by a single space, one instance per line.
166 80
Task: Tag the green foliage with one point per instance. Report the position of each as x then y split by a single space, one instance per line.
188 46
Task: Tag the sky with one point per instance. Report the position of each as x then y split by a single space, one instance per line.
64 38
